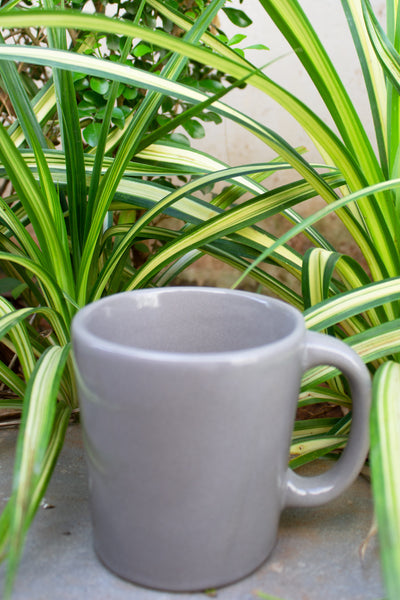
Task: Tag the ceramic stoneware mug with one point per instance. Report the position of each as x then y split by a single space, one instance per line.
188 399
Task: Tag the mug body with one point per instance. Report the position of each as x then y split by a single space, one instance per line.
188 398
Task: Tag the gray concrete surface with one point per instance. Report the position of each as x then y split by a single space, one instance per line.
317 556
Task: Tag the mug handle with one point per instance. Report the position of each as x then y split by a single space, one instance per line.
314 491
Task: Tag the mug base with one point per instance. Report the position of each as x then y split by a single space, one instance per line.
181 586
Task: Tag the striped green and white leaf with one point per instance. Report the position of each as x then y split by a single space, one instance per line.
373 76
385 471
375 254
33 452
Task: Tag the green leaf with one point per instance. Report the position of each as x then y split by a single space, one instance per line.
113 42
118 117
265 596
52 292
318 267
172 4
100 86
342 306
16 385
385 51
236 39
373 76
239 52
141 49
33 441
179 138
21 104
71 140
91 133
42 206
211 85
129 93
78 76
8 284
86 108
20 338
92 97
238 17
257 47
10 318
194 128
210 117
320 444
385 472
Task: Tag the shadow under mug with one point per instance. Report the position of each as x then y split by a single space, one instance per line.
188 399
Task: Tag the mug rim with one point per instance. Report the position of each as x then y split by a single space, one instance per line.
80 329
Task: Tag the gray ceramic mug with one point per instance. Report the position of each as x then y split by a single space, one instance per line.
188 399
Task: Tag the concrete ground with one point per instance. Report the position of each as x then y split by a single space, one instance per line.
318 555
